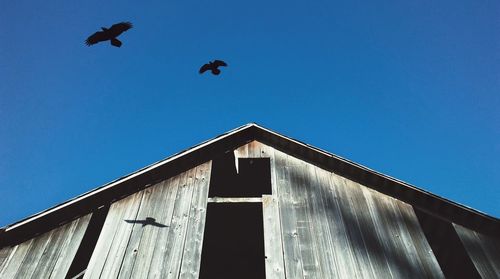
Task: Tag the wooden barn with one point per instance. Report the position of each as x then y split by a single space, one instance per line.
252 203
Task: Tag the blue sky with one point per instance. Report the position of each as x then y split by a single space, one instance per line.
408 88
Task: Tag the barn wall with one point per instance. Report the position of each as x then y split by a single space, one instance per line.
169 247
46 256
333 227
483 250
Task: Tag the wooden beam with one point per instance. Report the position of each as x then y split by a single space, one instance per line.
233 200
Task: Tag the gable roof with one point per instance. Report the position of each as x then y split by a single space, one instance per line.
203 152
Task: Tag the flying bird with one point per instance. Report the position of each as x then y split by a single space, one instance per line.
149 221
213 66
109 34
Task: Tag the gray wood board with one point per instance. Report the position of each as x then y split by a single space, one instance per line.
288 216
108 253
483 250
4 256
191 258
134 249
334 227
44 256
275 268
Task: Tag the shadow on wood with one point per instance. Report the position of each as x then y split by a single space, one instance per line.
148 221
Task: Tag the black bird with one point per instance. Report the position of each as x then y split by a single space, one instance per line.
148 221
109 34
213 66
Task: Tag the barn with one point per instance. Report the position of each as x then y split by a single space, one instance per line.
253 203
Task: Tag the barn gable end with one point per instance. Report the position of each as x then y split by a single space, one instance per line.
322 216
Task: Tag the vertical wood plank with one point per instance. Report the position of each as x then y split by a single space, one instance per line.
191 258
484 251
112 236
430 264
356 243
101 250
176 240
12 260
291 253
53 249
389 229
33 255
38 257
272 238
317 200
16 259
345 261
70 246
491 248
143 251
240 152
306 229
376 255
4 256
121 239
254 149
159 249
269 152
415 263
138 230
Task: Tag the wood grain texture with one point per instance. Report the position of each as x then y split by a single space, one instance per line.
291 251
159 246
110 248
233 200
483 250
332 227
191 258
158 209
171 246
4 256
44 255
275 268
69 247
15 259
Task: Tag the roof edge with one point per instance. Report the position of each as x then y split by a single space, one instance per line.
182 161
125 177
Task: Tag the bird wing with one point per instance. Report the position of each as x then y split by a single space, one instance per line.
204 68
97 37
218 63
120 27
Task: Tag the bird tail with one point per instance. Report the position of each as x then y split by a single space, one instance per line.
115 42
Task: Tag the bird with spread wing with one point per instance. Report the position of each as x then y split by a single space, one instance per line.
109 34
213 66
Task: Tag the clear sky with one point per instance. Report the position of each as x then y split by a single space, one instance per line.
408 88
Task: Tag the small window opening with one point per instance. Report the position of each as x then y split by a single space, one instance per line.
233 245
253 178
447 246
87 245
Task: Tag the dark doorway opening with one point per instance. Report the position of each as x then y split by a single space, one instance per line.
253 178
233 245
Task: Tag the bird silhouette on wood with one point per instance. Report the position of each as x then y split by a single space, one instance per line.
109 34
213 66
148 221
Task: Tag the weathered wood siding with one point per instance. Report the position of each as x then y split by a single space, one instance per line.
332 227
170 248
483 250
46 256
